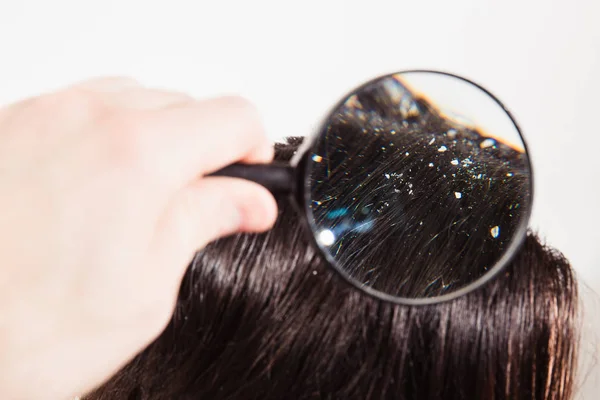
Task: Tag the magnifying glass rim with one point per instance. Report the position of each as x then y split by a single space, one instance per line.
302 165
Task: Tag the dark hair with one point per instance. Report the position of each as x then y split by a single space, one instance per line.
262 316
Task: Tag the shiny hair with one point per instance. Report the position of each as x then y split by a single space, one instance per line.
262 316
440 200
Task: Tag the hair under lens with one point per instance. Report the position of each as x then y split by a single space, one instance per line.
388 160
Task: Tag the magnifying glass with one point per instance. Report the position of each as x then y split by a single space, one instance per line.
424 167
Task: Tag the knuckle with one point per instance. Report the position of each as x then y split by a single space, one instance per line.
74 103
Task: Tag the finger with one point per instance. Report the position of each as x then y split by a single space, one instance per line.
206 210
137 98
195 138
217 206
125 92
101 86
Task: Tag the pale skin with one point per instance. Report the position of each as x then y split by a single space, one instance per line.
104 202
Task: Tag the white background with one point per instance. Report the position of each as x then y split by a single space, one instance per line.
294 59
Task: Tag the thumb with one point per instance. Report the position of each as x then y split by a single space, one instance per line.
219 206
206 210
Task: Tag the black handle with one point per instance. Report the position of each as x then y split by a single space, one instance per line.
277 178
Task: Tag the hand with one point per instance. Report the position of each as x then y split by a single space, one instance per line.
103 204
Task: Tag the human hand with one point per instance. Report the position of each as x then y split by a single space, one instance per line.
103 206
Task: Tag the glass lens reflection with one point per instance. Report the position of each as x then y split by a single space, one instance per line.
418 183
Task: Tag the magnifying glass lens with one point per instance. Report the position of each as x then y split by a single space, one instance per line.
418 186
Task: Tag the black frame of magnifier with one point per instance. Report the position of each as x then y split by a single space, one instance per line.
291 180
